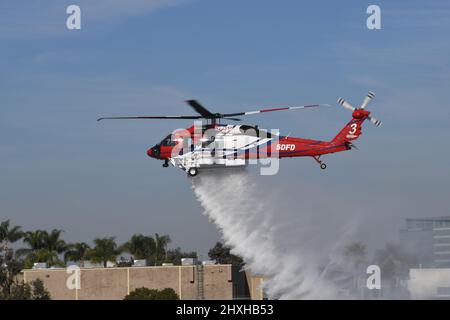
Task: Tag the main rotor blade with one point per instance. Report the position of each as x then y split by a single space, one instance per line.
247 113
200 109
143 118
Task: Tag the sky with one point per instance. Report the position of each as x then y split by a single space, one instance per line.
59 168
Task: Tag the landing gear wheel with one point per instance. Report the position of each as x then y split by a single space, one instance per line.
165 164
192 172
322 164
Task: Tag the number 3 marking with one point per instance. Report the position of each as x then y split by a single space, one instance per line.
354 126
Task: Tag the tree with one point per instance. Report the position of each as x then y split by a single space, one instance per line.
9 269
166 294
141 294
141 247
175 255
152 249
76 252
394 262
105 250
348 272
35 251
38 290
9 234
11 288
152 294
161 243
43 247
53 242
34 290
222 255
19 291
356 254
34 240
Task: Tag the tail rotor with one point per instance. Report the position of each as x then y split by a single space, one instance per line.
366 101
346 105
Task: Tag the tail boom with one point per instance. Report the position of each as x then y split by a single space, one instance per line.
352 130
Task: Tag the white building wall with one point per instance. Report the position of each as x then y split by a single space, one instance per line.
424 283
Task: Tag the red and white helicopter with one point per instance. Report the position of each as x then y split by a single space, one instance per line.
213 145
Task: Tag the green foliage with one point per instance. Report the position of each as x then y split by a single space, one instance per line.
9 234
105 250
9 269
355 254
34 290
39 292
152 294
42 255
76 252
11 288
175 255
394 261
152 249
161 243
19 291
141 247
166 294
222 255
43 247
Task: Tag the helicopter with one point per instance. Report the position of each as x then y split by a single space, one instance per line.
214 144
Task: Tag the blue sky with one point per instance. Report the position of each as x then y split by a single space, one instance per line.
61 169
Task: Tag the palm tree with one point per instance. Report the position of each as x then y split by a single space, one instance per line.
43 247
53 242
395 265
9 234
356 253
161 243
34 240
76 252
140 246
394 261
105 250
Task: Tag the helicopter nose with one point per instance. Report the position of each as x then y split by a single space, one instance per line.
154 152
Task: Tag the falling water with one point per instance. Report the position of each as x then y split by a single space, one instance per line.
279 236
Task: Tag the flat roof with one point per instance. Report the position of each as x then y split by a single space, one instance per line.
121 268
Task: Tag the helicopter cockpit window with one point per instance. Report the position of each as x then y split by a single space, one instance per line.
168 142
207 141
247 129
254 131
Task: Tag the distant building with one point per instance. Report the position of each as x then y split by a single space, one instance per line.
428 240
429 284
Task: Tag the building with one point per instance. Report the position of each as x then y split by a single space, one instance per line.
428 241
189 282
254 285
429 283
